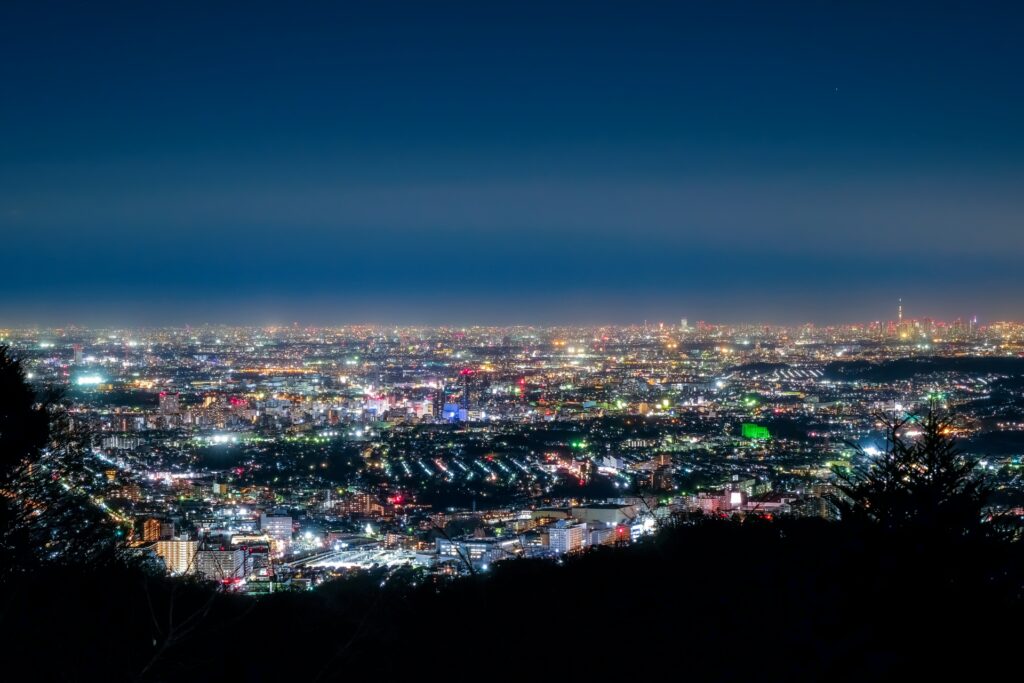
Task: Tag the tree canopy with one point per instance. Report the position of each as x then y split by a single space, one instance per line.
24 420
925 486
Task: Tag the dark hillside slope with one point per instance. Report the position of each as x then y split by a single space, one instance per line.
734 601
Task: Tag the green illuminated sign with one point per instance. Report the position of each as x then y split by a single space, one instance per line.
753 431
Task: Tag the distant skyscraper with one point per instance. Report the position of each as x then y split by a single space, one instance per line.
439 399
904 328
684 325
467 378
77 348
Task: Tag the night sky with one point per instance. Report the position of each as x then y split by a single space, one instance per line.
167 162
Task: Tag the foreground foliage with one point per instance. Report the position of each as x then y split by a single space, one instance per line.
771 599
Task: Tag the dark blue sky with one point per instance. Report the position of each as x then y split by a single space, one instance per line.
520 162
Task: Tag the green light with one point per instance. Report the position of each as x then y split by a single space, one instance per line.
750 430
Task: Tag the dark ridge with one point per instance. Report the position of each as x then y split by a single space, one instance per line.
907 368
794 600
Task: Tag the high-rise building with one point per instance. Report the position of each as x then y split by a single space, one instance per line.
566 536
77 348
221 565
278 527
467 379
439 399
178 555
157 530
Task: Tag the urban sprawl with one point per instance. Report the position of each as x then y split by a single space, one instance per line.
272 459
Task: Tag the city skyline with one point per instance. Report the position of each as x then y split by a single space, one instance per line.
652 324
685 320
449 164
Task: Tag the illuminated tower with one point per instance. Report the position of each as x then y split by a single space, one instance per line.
77 348
439 399
901 328
467 376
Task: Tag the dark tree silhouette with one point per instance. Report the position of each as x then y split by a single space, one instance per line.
24 433
46 513
24 420
926 487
